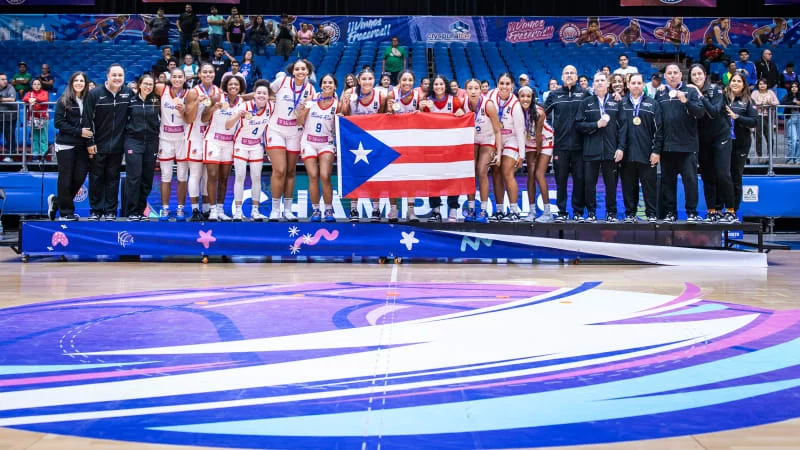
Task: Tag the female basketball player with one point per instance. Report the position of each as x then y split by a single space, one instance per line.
218 149
250 119
197 100
438 100
283 135
317 146
404 99
171 142
365 99
538 151
487 136
512 122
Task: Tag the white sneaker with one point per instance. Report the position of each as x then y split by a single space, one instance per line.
222 216
288 215
256 215
212 216
544 218
453 216
237 214
275 215
531 217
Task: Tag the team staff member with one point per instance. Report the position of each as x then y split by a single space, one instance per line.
643 141
141 146
740 109
603 131
714 129
73 158
561 106
106 114
680 109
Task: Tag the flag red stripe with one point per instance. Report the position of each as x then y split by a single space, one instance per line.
432 188
438 154
425 121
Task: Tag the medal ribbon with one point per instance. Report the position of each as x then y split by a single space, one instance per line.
297 95
502 108
602 105
637 105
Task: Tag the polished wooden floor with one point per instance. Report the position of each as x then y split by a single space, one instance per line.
773 288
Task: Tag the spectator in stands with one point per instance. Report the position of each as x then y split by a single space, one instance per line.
562 105
484 87
162 78
197 51
8 116
91 85
424 85
133 87
258 37
384 85
624 68
788 76
159 29
189 68
46 78
321 37
285 38
792 124
552 85
767 70
250 70
234 13
22 79
763 98
618 85
523 80
726 77
456 91
711 53
606 70
216 27
583 82
187 23
235 70
747 68
652 86
73 158
270 34
171 65
221 60
305 35
395 59
35 102
106 113
236 34
162 64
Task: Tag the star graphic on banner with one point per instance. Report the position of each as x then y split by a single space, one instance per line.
307 238
206 238
361 154
408 239
294 249
294 231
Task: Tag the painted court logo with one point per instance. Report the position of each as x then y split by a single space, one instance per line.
352 365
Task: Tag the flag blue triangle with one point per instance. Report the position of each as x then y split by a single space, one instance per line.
355 173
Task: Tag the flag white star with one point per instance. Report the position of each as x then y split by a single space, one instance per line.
361 153
294 231
408 239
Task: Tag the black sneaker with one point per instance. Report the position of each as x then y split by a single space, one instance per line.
611 218
711 217
560 218
354 215
729 218
68 218
197 216
376 216
630 219
578 219
669 218
692 218
511 217
52 207
436 217
590 218
134 218
110 217
93 217
497 217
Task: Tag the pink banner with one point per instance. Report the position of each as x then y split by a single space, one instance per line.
701 3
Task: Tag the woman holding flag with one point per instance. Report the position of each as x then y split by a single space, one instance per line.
365 99
283 135
487 137
404 99
512 122
318 147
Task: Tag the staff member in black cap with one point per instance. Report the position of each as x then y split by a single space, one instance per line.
643 140
680 109
106 114
141 146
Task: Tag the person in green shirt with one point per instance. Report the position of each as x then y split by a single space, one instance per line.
726 77
394 59
22 80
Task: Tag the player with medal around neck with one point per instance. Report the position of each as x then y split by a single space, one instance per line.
405 99
172 147
197 100
487 139
643 142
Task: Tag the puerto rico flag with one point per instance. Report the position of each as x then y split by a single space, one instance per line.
405 155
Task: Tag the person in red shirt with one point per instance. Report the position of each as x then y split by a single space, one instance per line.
37 99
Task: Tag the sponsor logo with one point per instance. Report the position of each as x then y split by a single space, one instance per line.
332 29
124 239
529 30
750 194
457 31
83 192
569 33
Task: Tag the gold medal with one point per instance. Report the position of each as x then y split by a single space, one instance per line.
207 102
224 105
637 121
248 115
396 107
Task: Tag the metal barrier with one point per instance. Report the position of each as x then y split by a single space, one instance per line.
26 135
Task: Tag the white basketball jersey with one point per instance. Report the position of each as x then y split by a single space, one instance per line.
319 122
369 104
216 130
288 97
506 110
409 102
173 126
250 132
196 131
484 130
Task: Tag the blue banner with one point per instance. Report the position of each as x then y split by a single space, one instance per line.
432 29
